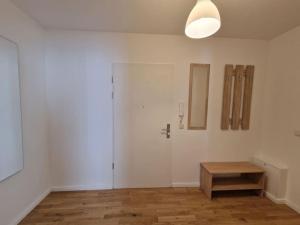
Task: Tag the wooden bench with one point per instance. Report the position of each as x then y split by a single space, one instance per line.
231 176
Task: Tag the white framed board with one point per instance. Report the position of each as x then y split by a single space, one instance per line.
11 153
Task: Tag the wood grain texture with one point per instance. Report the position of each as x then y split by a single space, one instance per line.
231 167
169 206
206 181
237 97
226 107
248 87
231 176
235 183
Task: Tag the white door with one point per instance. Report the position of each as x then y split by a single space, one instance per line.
142 109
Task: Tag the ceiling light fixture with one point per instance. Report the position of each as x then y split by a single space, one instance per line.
203 21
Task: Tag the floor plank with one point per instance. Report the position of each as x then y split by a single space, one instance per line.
166 206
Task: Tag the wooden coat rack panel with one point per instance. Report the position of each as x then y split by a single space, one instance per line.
229 73
237 97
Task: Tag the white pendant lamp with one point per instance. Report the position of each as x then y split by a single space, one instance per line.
203 21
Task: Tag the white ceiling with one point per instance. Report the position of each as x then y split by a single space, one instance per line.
257 19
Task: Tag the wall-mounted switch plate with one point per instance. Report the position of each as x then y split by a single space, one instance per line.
297 133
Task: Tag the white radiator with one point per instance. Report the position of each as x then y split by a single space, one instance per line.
276 179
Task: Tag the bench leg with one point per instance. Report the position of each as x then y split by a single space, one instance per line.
206 182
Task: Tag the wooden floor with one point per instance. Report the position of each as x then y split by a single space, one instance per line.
178 206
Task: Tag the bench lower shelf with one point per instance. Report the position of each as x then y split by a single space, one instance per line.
234 183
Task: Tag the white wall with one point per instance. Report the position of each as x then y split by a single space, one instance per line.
18 192
282 109
80 106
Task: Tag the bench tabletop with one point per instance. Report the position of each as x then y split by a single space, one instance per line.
231 167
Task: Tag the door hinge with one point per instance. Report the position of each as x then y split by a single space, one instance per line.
113 166
112 95
112 79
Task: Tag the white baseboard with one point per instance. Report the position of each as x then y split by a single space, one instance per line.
293 206
283 201
81 187
186 184
274 199
27 210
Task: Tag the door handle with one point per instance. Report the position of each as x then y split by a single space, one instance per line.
166 131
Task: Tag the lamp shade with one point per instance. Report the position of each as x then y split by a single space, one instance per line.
203 21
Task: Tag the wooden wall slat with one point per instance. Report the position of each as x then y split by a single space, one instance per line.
225 120
237 97
248 88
